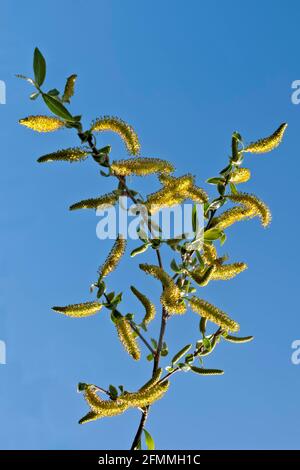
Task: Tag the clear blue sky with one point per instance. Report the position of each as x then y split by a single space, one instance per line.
185 74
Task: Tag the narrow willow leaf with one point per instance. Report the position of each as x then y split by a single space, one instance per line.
79 310
149 440
57 107
181 353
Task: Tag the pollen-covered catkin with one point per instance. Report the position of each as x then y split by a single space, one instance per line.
148 305
102 202
69 88
171 297
141 166
127 338
103 408
228 271
255 205
172 301
152 381
209 254
146 397
124 130
214 314
113 258
240 175
269 143
75 154
229 217
42 123
79 310
165 197
181 183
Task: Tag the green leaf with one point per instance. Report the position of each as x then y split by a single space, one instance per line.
212 234
223 238
57 108
149 357
53 92
207 344
221 189
139 249
81 386
194 219
202 325
174 266
201 371
149 440
39 67
181 353
189 358
226 170
113 392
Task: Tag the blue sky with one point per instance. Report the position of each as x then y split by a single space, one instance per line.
186 75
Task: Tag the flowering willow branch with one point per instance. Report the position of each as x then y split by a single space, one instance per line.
197 261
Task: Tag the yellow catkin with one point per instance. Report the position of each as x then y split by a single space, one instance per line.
71 155
240 175
148 305
69 88
171 297
113 258
214 314
42 123
152 381
127 338
255 205
269 143
209 254
229 217
197 194
124 130
141 166
228 271
146 397
101 202
79 310
103 408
